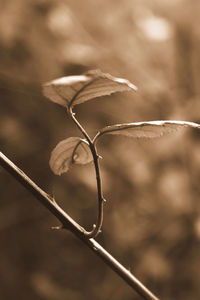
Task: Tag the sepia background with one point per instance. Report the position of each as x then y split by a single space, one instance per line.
152 214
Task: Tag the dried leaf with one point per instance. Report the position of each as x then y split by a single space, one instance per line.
70 151
149 129
72 90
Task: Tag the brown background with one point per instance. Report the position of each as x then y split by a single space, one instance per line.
152 215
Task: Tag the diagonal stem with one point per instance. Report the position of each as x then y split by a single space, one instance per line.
75 228
96 227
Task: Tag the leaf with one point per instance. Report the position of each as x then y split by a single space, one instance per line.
149 129
72 90
73 150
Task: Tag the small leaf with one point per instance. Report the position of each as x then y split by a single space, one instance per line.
72 90
149 129
73 150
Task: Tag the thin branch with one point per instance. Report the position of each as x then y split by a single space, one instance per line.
48 201
75 228
96 227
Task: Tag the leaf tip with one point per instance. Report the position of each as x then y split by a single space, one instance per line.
68 152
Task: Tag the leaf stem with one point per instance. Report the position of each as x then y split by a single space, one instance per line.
96 227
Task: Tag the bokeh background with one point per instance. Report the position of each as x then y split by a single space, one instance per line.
152 214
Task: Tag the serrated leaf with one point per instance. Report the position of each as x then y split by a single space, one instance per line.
72 90
70 151
149 129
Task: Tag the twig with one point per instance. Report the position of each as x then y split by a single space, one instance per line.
96 227
75 228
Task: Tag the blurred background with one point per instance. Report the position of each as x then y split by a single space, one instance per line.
152 214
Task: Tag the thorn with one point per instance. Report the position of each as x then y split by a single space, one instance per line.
99 156
53 197
104 200
53 200
57 227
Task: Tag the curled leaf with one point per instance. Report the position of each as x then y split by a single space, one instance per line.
73 150
149 129
71 90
